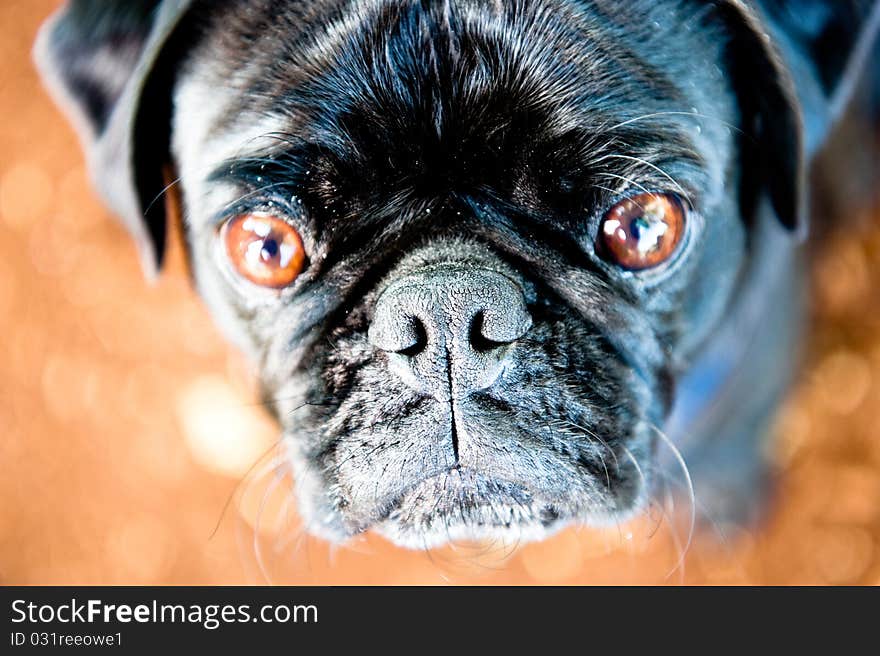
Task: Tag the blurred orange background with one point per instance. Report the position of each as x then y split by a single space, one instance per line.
133 451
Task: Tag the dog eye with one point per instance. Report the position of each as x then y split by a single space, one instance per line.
264 249
642 231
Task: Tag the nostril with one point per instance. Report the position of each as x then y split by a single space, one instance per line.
397 327
500 323
477 338
449 331
418 336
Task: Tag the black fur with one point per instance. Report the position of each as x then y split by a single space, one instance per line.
474 136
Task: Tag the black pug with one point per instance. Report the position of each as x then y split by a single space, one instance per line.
491 257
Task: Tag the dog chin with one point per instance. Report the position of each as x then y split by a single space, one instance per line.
460 506
463 506
477 499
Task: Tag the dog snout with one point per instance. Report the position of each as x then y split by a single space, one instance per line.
447 331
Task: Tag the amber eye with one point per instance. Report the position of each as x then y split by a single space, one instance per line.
643 231
264 249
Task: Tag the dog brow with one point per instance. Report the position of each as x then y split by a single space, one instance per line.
288 165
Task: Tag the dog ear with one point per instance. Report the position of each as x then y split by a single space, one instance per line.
772 141
101 61
829 44
824 45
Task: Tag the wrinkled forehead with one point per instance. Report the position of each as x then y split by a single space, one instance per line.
409 79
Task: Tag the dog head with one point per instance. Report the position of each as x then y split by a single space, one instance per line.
470 245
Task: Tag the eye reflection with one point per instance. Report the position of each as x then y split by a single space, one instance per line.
264 249
642 231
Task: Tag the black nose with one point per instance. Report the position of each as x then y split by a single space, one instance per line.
447 331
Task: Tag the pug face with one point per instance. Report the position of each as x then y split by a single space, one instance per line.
470 246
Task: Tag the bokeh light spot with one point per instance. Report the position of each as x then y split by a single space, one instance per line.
226 433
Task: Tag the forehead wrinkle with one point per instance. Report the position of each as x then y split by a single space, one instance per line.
358 62
297 112
539 71
325 46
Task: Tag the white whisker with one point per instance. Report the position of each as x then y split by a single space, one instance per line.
643 117
690 488
675 182
257 546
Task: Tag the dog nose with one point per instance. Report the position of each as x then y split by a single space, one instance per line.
447 331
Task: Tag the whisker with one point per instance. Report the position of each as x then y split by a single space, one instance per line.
595 436
716 529
643 117
689 483
653 166
653 502
244 477
676 540
293 536
164 191
253 192
629 181
257 545
611 191
667 517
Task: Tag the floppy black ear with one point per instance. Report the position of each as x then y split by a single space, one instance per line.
772 141
99 60
794 64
